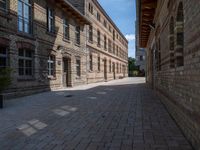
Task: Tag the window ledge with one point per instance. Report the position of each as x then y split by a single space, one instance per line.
51 77
66 40
181 68
51 33
26 35
91 42
5 14
22 79
78 78
78 45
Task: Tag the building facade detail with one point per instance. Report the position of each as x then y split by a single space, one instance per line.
55 44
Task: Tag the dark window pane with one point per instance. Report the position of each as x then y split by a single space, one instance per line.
2 62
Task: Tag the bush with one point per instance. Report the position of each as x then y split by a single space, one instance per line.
5 79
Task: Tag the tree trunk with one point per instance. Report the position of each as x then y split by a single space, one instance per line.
1 101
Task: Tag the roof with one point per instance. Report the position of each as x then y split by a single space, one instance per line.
146 16
74 11
110 20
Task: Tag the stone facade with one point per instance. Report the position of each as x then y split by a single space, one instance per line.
173 62
28 51
108 49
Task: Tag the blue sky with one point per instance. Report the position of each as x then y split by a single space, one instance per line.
122 13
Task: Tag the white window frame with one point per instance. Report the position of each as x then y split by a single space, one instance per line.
51 65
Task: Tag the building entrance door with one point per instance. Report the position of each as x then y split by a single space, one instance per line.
66 72
105 69
114 74
124 71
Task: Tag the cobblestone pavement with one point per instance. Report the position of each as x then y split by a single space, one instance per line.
117 115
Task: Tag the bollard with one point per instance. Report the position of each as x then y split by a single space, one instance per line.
1 101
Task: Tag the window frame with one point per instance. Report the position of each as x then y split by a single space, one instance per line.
98 38
66 27
99 63
25 59
90 33
50 25
78 35
5 56
91 62
78 67
21 18
6 6
51 65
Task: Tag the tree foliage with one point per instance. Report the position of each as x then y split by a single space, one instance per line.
131 62
5 79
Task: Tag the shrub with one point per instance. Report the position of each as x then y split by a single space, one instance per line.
5 79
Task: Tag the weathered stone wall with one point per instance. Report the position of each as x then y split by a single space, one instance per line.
180 85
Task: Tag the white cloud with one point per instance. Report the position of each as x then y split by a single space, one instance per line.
130 37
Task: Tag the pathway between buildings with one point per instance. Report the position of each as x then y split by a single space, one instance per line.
118 115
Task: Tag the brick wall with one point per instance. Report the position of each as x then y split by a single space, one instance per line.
180 85
44 44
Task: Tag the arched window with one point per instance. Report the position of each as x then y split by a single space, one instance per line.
180 36
171 31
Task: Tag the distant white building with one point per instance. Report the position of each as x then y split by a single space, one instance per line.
140 53
140 59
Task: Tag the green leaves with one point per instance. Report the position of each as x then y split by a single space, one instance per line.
5 79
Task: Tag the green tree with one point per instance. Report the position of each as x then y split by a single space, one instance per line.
5 79
131 62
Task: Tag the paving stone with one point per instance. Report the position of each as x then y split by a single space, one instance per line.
128 117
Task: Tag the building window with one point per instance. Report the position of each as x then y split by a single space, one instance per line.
24 16
105 23
66 29
78 67
3 5
90 33
171 29
141 58
105 42
109 46
91 63
117 53
158 56
113 35
114 48
180 36
98 38
25 62
98 17
50 20
3 57
110 28
51 65
77 34
110 66
117 67
90 8
99 63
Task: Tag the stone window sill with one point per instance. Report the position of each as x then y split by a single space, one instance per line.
51 33
51 77
24 79
5 14
26 35
78 45
66 40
